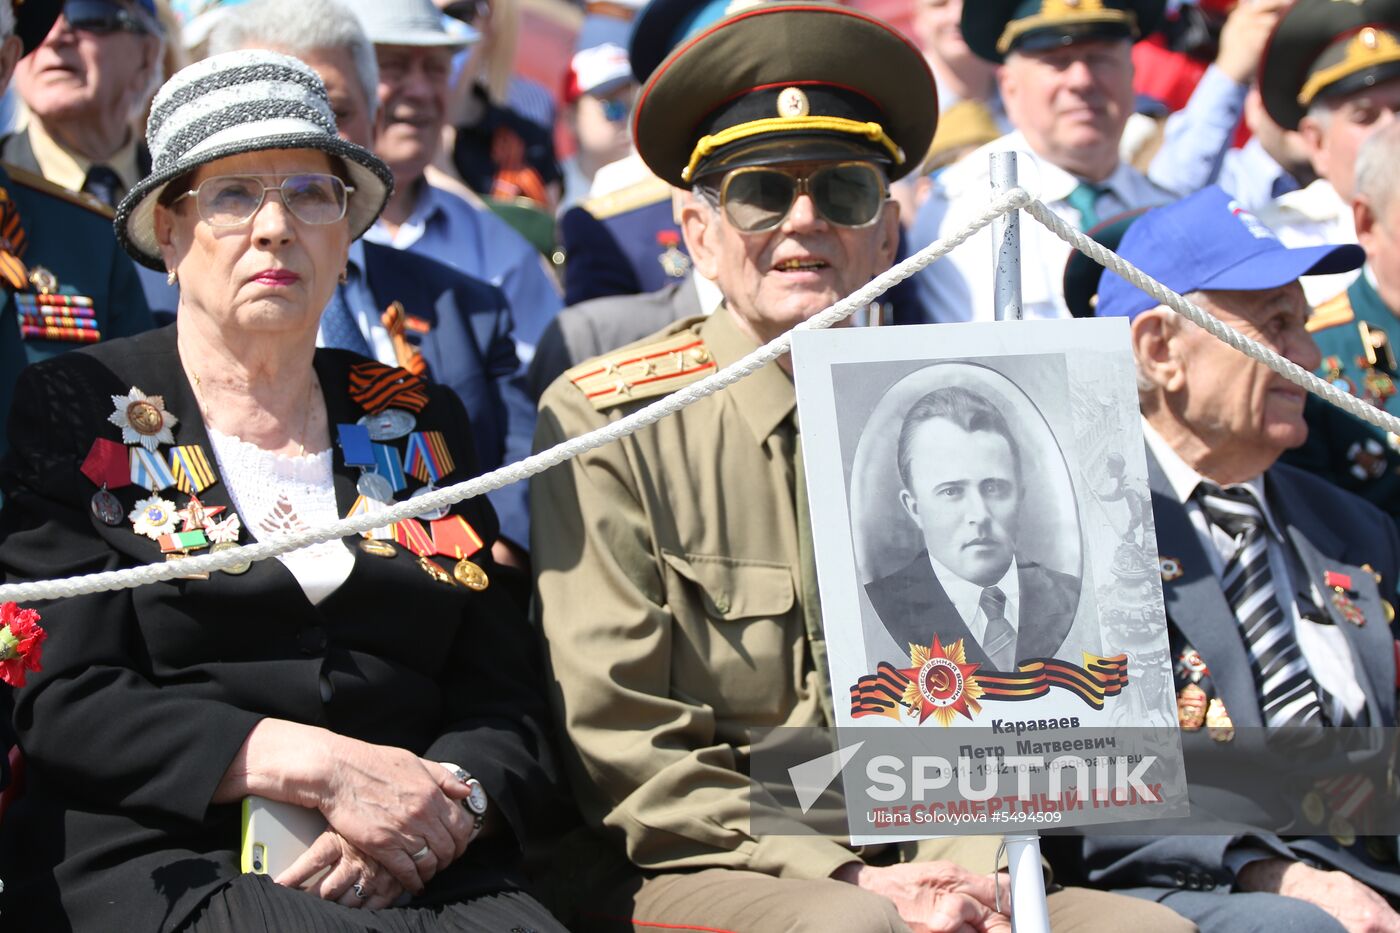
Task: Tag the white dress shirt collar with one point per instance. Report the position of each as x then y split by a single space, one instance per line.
1184 479
966 596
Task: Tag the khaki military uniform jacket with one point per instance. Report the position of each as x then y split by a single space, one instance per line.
669 587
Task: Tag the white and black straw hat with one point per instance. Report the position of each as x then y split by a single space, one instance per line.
250 100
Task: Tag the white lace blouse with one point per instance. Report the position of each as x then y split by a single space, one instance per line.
276 495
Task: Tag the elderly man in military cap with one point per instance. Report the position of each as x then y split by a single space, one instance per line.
1332 72
1357 333
1066 83
675 581
1275 582
53 242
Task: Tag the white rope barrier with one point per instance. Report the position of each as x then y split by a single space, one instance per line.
1214 326
1015 199
524 469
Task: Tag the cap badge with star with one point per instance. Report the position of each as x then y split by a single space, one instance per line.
1326 49
995 28
777 82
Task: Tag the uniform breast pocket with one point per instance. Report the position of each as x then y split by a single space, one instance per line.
735 632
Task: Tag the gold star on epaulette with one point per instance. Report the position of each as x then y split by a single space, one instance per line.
647 371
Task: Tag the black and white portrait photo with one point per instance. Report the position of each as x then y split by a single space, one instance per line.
969 485
973 492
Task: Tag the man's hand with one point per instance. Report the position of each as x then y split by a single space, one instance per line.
1354 905
1244 35
933 897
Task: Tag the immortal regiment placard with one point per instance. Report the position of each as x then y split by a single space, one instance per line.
987 561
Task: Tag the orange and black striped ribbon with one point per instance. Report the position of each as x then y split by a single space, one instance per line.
394 320
375 387
13 243
881 693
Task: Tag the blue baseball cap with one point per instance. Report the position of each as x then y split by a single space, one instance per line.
1207 242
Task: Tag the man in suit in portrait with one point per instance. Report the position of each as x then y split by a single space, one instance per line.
1275 582
969 583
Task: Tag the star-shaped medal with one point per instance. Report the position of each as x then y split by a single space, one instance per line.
197 516
941 683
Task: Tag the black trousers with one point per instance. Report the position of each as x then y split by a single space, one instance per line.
253 904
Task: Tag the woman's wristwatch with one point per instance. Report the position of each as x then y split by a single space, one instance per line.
475 801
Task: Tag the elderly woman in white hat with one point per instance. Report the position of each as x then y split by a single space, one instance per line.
276 746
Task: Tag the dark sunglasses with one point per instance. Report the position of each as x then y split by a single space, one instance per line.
102 18
848 194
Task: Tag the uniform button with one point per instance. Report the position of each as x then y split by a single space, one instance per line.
312 639
722 604
1180 879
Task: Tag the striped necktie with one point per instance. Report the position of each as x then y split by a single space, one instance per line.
1288 695
999 638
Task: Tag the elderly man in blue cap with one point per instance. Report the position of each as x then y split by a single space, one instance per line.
1250 557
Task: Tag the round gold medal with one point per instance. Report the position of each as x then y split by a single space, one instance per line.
377 548
1313 808
144 417
237 569
470 575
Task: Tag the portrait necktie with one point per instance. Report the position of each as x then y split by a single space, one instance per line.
999 638
339 328
1084 199
1288 695
104 184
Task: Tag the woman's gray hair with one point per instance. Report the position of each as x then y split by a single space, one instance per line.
299 28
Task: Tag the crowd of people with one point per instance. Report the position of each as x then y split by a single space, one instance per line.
268 264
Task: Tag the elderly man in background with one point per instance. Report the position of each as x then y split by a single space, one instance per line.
1066 84
415 52
54 240
675 579
1254 556
85 87
400 307
1357 333
1331 72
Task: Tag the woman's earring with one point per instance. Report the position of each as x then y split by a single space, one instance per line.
171 277
344 276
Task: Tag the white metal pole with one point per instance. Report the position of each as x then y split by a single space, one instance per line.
1006 235
1029 911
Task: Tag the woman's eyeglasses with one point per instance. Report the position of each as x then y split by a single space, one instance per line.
231 200
757 199
102 18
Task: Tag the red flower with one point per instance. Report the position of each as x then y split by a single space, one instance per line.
21 640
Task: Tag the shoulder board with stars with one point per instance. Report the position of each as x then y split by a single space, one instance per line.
639 194
42 185
645 371
1330 313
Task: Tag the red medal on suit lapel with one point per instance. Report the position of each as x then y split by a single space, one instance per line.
107 466
455 537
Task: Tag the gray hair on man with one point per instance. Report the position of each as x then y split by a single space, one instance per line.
1377 172
298 29
7 19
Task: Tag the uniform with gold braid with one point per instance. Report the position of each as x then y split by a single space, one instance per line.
1322 49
